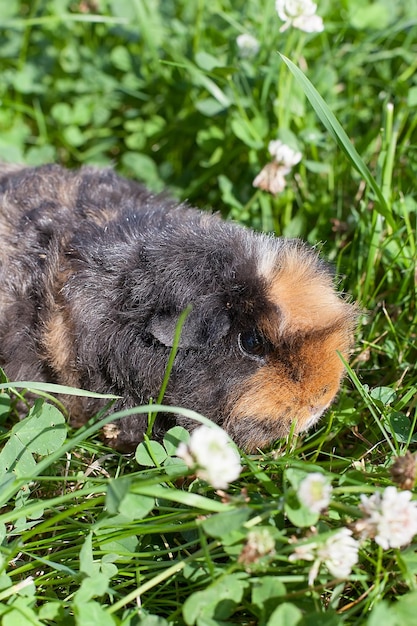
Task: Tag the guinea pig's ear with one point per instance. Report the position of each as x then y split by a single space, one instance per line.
201 327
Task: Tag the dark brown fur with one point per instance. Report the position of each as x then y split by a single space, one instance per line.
94 272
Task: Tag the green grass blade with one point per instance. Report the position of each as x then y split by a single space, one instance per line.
335 129
53 388
177 336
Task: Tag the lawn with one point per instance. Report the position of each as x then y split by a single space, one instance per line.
188 96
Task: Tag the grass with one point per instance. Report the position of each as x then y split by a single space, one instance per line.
160 91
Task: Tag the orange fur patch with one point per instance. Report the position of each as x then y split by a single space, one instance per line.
58 346
305 294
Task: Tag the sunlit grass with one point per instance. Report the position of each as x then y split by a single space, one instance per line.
161 91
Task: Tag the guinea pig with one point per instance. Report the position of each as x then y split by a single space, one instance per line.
95 271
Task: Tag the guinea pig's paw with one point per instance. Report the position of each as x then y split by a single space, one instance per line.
116 436
111 433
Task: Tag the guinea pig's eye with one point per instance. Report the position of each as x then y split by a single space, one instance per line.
253 343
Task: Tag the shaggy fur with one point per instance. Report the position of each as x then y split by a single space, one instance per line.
94 272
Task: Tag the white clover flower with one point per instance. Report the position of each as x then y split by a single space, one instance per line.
283 154
272 176
211 453
300 14
259 543
390 517
304 552
314 492
339 553
248 45
307 552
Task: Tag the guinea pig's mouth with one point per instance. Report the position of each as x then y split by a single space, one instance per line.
253 433
312 420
